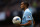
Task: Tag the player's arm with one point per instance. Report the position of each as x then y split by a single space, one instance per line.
28 18
33 21
29 22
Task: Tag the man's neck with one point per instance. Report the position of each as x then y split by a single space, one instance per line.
25 9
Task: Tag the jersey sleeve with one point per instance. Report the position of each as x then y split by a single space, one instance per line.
28 16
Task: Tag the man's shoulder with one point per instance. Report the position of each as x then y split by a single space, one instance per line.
27 11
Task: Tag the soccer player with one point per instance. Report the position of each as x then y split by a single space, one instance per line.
27 19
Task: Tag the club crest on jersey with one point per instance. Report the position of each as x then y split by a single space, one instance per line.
28 16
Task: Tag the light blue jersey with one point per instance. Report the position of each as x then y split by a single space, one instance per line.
26 17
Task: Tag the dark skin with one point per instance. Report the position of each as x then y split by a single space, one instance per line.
29 22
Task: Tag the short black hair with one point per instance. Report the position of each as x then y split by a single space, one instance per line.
26 3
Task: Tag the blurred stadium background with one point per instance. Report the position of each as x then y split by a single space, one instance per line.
11 8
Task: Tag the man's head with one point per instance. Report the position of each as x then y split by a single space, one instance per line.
24 4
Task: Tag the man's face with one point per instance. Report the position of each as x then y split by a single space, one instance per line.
22 5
